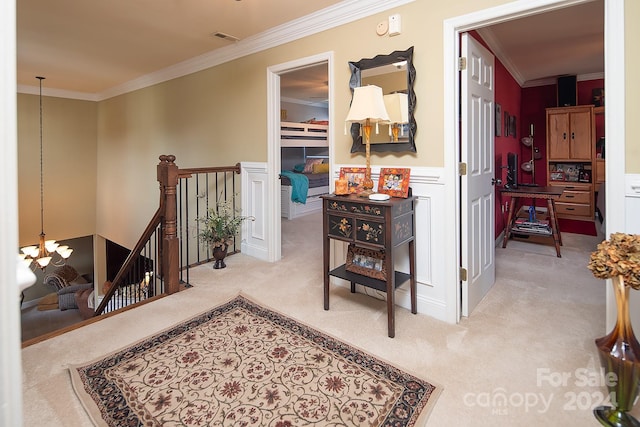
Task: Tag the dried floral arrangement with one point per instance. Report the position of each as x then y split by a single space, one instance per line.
618 256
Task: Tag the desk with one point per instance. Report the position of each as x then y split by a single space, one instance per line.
550 194
349 219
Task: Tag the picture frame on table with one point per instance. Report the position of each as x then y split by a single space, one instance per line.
557 176
394 182
354 177
367 262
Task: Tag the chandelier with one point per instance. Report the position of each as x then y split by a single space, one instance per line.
48 251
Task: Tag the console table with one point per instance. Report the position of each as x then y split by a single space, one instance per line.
548 193
376 225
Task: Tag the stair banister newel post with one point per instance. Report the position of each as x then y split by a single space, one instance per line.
168 179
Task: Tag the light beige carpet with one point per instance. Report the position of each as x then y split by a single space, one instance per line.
498 367
243 364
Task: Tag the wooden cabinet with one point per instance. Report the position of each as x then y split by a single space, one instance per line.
571 159
600 171
380 226
570 133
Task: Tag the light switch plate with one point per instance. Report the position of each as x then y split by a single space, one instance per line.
395 25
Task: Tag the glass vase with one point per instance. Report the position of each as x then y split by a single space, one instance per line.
619 353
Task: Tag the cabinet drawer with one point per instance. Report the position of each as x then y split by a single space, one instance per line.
341 227
573 196
370 232
355 208
573 209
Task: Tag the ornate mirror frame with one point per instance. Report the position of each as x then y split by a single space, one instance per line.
356 81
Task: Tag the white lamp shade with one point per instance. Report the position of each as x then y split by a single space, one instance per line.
44 261
397 105
28 250
367 103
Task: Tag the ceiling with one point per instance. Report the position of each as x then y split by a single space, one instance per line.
91 47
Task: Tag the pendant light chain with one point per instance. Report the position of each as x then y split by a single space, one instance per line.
41 165
43 255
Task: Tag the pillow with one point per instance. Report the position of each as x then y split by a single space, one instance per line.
299 167
321 168
308 165
67 298
61 277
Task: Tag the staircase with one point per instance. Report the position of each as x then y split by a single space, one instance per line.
159 263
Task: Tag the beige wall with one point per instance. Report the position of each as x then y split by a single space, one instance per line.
69 153
218 117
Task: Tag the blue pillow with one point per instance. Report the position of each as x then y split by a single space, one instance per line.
299 167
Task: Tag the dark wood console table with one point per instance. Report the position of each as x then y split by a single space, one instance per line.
548 193
376 225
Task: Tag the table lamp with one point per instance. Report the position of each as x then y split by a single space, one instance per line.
397 105
367 107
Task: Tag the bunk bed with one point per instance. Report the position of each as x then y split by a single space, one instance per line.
310 144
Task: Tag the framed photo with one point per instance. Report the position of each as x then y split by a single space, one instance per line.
512 126
557 176
394 181
498 120
367 262
354 177
506 123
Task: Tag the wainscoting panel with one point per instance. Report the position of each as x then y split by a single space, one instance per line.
632 226
254 195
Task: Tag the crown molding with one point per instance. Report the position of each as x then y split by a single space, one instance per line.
325 19
57 93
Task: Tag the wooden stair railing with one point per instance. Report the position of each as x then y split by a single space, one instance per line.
170 254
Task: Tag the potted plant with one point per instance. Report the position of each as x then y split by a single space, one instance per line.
220 226
618 259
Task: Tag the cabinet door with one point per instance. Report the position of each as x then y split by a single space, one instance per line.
581 141
558 134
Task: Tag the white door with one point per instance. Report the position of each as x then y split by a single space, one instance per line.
478 196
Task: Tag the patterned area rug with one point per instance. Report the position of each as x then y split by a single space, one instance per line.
241 364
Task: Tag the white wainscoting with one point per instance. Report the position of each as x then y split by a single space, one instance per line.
632 226
427 185
254 189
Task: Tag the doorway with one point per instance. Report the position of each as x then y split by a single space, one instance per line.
614 116
274 155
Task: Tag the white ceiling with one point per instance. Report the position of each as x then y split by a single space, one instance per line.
91 47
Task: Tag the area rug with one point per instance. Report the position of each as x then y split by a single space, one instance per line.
241 364
577 227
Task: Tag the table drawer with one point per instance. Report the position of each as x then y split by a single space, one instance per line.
341 227
370 232
573 209
347 206
573 196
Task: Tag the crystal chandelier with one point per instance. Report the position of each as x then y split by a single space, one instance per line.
44 254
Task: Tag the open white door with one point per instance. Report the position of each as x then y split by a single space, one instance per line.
477 203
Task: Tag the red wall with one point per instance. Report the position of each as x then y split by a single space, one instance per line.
508 95
529 106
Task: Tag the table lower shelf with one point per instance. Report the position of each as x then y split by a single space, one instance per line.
369 282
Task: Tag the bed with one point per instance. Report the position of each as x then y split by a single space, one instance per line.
304 153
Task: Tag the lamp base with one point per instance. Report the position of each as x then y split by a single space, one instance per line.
365 193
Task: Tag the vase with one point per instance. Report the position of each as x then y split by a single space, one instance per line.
219 253
619 353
